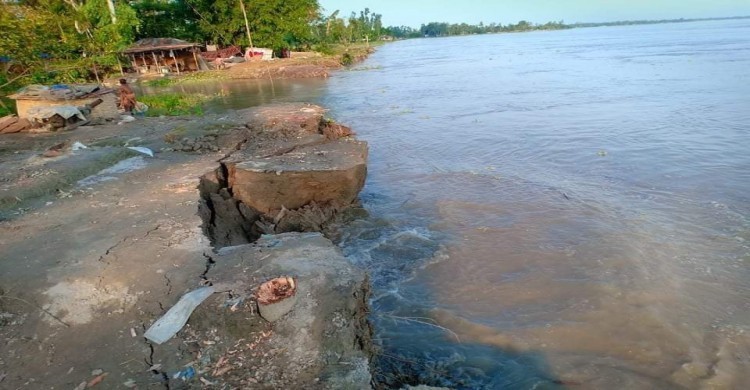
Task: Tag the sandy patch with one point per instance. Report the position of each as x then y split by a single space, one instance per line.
79 301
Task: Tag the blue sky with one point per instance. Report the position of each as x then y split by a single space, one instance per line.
415 12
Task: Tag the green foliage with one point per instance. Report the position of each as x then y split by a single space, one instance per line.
167 19
59 41
186 79
323 48
402 32
106 36
162 82
218 21
29 33
282 23
171 104
273 23
435 29
366 26
347 59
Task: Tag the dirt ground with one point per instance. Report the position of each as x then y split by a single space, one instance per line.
284 68
96 244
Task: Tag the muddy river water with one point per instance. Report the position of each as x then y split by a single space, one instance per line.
554 209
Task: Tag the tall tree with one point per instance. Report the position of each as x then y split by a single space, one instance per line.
167 19
273 23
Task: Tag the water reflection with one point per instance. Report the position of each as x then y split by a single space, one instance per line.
237 94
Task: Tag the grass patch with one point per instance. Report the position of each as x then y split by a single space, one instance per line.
187 78
172 104
162 82
203 75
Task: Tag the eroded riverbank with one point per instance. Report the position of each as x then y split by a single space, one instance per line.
89 265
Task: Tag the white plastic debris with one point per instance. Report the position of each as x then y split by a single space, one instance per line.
66 112
169 324
141 149
140 108
78 146
125 119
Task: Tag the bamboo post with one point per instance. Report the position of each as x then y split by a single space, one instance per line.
156 62
176 63
96 73
195 58
119 65
247 25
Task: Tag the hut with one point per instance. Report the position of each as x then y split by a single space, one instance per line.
164 55
33 98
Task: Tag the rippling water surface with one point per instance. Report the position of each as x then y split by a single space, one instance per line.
554 209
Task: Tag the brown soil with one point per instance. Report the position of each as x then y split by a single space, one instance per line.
284 68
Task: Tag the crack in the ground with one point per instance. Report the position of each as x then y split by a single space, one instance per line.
110 249
150 361
151 231
169 284
209 264
113 247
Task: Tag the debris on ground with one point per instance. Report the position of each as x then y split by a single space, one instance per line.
143 150
171 323
276 297
12 124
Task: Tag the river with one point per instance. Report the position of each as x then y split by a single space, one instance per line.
558 208
553 209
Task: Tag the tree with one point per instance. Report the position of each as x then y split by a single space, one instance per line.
273 23
167 19
35 31
283 23
107 33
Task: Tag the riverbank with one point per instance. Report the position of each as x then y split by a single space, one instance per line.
299 66
100 242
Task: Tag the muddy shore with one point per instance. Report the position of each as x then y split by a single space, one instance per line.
99 242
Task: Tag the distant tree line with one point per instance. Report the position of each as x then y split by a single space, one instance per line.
635 22
445 29
438 29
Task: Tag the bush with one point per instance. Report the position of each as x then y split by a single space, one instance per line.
347 59
5 110
162 82
323 48
172 104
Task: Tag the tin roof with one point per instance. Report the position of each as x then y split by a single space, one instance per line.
60 92
151 44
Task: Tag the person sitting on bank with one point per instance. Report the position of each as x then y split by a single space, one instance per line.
219 62
127 96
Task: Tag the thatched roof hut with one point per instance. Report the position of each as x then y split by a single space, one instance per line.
162 55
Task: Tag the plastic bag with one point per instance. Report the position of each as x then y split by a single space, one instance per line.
169 324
